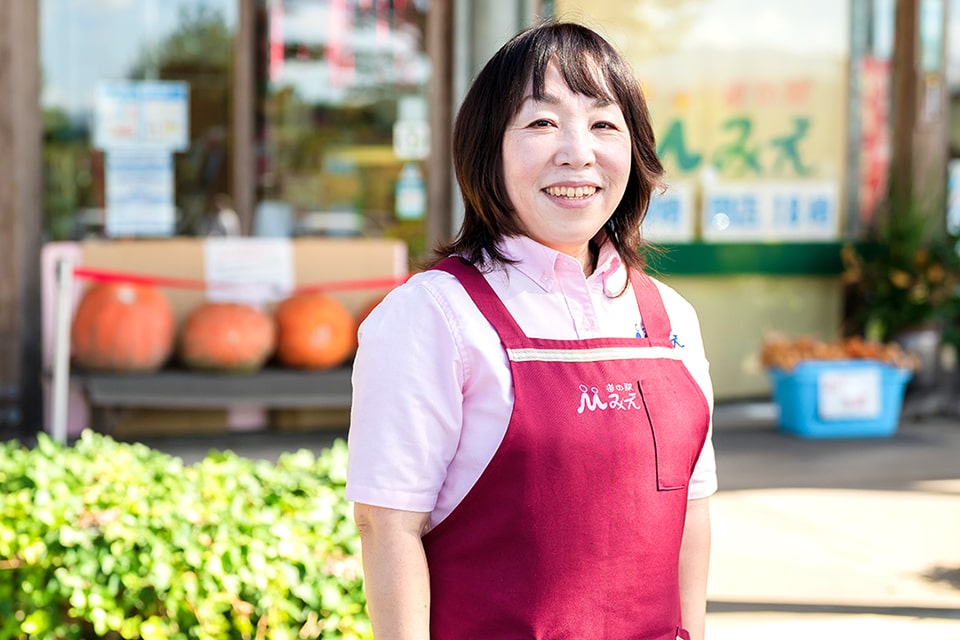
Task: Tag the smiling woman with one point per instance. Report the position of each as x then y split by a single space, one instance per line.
546 470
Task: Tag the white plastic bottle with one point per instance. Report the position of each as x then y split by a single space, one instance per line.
411 193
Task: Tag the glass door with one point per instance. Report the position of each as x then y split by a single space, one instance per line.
131 64
341 118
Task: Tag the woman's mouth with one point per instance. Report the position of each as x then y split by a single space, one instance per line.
572 193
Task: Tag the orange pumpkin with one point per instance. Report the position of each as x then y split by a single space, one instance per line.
226 336
314 331
122 327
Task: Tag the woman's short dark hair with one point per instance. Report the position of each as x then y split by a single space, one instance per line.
494 99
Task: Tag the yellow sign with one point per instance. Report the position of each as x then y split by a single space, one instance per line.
743 99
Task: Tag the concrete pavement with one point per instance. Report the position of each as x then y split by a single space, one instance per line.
824 539
835 563
836 539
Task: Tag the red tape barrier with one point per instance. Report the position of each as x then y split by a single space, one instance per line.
102 275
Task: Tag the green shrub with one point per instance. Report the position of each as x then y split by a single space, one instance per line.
116 540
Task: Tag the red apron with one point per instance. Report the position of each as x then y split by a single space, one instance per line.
573 530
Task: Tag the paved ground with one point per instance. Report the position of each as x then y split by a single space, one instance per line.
823 539
837 538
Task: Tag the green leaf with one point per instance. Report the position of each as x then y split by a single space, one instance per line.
36 623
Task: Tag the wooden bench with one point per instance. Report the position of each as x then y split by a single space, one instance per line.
180 389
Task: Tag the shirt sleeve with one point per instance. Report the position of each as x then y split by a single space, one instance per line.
406 412
685 323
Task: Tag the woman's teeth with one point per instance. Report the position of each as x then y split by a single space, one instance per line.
571 192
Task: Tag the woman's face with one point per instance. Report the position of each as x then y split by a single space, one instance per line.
566 162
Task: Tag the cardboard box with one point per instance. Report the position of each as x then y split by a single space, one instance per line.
839 398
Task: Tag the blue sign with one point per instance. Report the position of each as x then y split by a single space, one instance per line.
770 211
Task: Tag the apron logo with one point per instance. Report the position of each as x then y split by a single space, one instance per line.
620 397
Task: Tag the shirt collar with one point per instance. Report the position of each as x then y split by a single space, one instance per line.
610 269
540 263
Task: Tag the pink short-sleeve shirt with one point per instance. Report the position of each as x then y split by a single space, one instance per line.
432 390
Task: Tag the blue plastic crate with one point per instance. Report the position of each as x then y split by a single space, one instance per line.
839 398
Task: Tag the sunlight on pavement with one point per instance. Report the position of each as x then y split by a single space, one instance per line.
872 552
764 626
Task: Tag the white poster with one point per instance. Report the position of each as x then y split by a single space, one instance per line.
953 196
852 394
139 198
248 270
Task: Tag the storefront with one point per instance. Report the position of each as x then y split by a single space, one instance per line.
775 122
750 110
284 111
331 117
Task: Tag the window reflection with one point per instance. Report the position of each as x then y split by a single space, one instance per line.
87 42
334 79
953 75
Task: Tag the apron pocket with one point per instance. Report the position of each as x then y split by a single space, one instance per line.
676 429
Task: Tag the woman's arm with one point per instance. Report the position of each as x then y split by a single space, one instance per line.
694 563
395 573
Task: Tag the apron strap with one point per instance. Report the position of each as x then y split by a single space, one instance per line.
656 322
485 298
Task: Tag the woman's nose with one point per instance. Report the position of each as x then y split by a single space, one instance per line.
575 148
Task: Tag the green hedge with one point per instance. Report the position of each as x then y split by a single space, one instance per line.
104 539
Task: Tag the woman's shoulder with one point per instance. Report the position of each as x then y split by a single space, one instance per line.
673 301
667 291
428 284
684 320
426 293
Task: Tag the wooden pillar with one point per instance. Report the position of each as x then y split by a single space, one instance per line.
479 29
243 105
21 215
439 40
920 116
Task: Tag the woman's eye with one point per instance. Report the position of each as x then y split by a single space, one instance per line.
604 125
540 123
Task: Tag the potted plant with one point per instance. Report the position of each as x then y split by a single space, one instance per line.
902 283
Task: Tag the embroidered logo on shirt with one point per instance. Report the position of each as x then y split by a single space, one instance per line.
620 397
641 332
